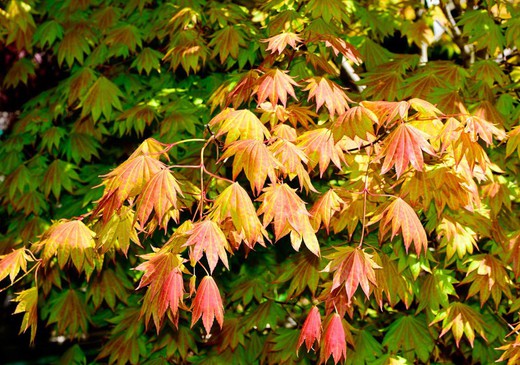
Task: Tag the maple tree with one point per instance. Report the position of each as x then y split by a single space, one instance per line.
224 182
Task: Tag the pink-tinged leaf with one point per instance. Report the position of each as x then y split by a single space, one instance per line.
403 146
353 267
334 342
404 220
275 85
208 304
12 263
160 195
282 206
163 276
279 42
311 330
329 93
324 208
318 144
255 159
206 236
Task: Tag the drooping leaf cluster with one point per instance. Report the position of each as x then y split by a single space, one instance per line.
275 182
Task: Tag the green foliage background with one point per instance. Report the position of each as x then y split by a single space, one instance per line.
92 79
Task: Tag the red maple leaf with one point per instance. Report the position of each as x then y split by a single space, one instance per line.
311 330
208 304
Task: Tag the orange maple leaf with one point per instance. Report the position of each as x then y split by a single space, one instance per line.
159 194
274 85
126 181
353 267
292 158
235 203
282 206
387 112
278 42
12 263
404 219
329 93
68 240
318 144
334 342
255 159
405 145
311 329
324 208
206 236
208 304
163 276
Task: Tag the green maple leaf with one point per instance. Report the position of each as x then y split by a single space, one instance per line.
68 310
411 336
102 97
48 33
433 289
367 349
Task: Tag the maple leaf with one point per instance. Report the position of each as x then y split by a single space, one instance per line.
101 98
329 93
28 305
303 272
435 288
159 194
242 91
147 60
208 304
292 158
12 263
226 42
478 127
118 232
279 42
352 267
255 159
59 174
340 46
412 336
392 282
74 45
239 125
468 150
334 342
388 112
318 145
355 122
282 206
68 310
274 85
163 276
403 146
311 330
404 219
126 181
461 319
108 287
68 240
487 276
324 208
235 203
206 236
